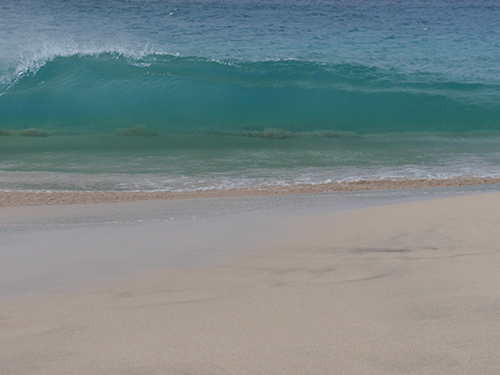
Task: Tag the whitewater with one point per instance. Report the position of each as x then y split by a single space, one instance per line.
202 95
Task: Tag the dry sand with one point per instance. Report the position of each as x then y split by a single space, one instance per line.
405 289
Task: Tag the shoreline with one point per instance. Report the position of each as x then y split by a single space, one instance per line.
37 198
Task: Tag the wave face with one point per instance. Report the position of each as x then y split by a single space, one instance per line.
102 92
173 66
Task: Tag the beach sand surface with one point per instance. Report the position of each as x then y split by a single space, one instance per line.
405 289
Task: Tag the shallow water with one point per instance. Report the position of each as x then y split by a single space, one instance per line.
190 163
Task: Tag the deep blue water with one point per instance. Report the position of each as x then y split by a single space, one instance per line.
183 95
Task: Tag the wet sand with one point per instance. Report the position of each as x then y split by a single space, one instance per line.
403 289
32 198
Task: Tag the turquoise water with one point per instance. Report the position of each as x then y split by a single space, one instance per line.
186 95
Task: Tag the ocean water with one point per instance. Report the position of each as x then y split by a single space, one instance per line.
195 95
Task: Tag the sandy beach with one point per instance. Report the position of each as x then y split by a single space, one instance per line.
406 288
249 187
